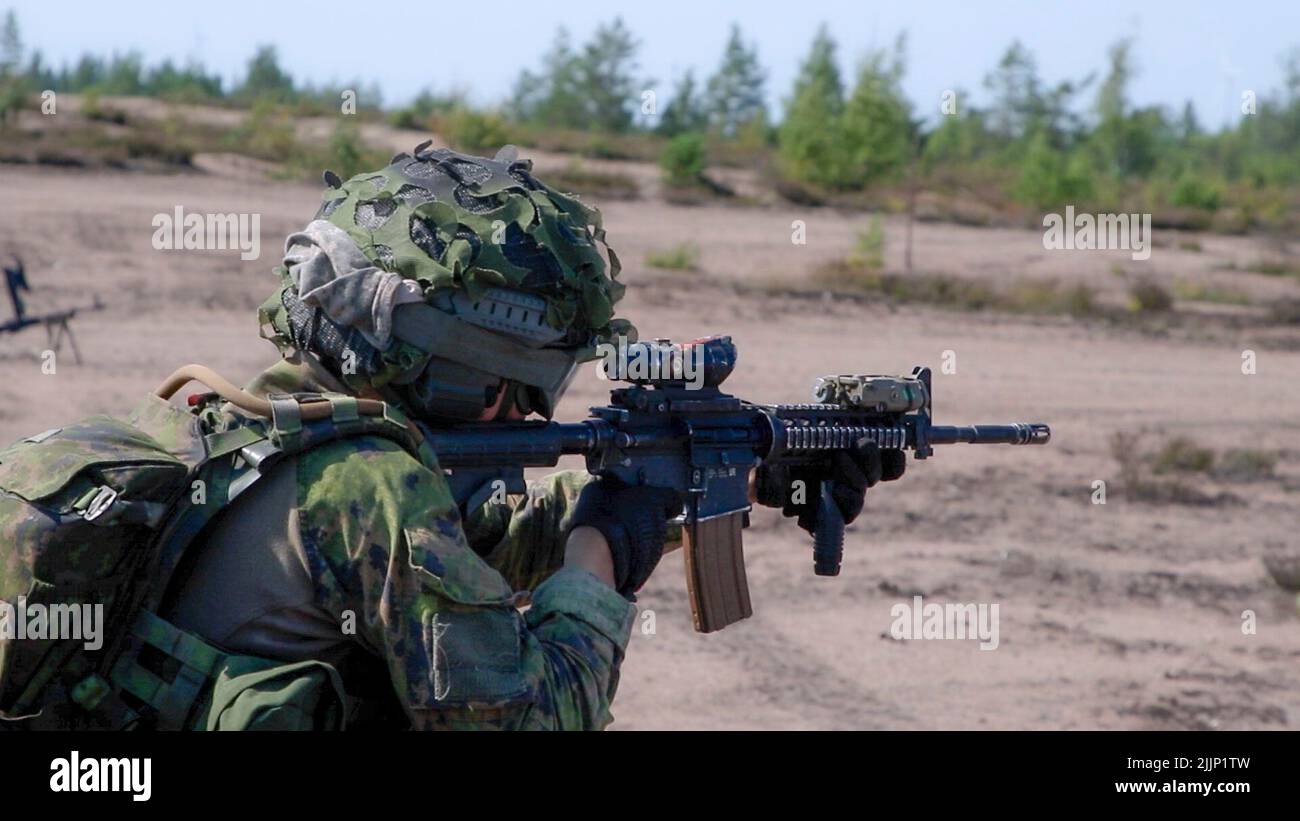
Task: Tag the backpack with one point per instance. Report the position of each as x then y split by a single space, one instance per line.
95 516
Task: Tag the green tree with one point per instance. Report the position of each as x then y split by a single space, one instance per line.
735 91
683 160
13 84
961 138
875 131
1050 178
685 111
11 45
88 73
594 88
607 76
553 96
1015 87
1022 107
807 140
1188 126
1126 141
124 74
265 78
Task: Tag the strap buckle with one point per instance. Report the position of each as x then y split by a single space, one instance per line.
99 504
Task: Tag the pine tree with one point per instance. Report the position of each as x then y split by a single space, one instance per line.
13 84
807 137
1188 126
685 111
608 80
552 97
735 91
876 130
11 45
595 88
1022 107
265 77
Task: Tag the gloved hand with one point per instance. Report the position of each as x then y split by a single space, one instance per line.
851 472
633 520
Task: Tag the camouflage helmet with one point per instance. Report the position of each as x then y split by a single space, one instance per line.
476 235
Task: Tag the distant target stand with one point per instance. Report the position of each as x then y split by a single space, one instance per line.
57 323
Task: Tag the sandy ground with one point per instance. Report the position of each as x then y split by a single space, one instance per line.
1123 615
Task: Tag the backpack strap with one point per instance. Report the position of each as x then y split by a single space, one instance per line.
171 702
238 457
235 459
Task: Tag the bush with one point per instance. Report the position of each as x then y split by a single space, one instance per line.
870 251
1182 455
1194 191
409 118
93 110
347 154
683 160
1199 292
1036 296
961 293
1049 178
1244 465
13 97
683 257
469 130
1147 296
267 133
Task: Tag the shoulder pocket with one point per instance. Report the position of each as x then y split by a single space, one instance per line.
471 648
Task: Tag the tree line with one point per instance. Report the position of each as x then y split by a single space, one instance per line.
1041 144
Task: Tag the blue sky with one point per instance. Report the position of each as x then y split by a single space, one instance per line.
1204 51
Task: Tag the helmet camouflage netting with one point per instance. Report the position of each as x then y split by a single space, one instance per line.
454 221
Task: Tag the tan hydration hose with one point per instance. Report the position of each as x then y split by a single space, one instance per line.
227 390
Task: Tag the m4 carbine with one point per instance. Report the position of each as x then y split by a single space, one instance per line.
673 427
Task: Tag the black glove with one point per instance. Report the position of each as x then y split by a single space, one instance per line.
851 472
634 520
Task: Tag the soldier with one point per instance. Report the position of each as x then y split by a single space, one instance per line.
343 586
359 533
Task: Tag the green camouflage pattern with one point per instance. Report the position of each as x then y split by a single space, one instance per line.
445 219
50 554
522 536
387 548
385 543
386 552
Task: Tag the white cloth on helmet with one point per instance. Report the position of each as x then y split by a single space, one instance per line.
331 273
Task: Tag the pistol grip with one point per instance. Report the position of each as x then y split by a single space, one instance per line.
715 571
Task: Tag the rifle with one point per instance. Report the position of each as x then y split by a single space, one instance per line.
674 427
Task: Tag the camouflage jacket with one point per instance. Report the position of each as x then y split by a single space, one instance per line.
476 622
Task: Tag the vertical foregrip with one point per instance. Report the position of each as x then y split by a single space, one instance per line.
828 537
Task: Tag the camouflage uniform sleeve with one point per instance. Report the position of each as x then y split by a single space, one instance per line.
526 534
525 537
387 553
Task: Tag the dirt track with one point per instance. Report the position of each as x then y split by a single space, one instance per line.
1123 615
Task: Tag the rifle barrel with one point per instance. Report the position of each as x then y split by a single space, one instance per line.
1016 433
